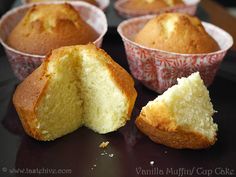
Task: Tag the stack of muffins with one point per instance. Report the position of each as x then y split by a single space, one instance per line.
79 84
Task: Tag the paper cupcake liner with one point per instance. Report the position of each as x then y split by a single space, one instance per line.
159 70
190 7
23 63
102 4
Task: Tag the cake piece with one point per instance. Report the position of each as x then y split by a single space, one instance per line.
176 32
181 117
75 86
49 26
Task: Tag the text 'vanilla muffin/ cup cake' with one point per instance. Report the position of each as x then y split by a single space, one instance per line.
30 32
162 48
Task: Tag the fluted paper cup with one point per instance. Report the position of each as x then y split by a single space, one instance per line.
102 4
158 69
23 63
189 7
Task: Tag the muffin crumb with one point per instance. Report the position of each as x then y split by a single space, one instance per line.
152 163
111 155
104 144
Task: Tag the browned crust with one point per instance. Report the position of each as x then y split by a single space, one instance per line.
187 37
26 98
39 37
160 129
33 88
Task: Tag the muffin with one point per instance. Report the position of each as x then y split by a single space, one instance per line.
178 33
93 2
48 26
75 86
181 117
149 5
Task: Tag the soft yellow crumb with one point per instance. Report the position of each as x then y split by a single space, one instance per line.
104 144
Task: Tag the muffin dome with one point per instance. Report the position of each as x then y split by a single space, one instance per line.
176 32
89 1
150 4
49 26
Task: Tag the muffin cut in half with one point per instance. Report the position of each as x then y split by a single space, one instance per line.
75 86
181 117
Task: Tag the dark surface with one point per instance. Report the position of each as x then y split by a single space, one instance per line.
79 153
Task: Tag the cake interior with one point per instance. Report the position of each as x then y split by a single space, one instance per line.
80 92
190 107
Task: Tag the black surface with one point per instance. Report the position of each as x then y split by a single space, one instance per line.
78 152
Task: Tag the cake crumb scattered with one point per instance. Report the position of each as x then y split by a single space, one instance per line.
104 144
152 162
111 155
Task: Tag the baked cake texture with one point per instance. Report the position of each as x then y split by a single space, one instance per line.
75 86
49 26
181 117
176 32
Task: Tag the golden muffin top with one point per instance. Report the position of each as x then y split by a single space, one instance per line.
94 2
176 32
49 26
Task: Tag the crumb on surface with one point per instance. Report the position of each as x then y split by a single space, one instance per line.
151 162
104 144
111 155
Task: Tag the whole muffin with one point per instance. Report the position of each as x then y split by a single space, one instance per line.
150 4
89 1
176 32
49 26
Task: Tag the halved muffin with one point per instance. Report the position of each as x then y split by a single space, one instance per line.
75 86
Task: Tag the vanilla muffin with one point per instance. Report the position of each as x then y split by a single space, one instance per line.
93 2
176 32
48 26
75 86
181 117
150 5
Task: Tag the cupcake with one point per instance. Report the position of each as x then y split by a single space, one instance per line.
50 26
93 2
82 23
150 4
161 49
134 8
176 32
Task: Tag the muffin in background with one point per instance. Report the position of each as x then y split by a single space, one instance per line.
93 2
176 32
150 4
48 26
